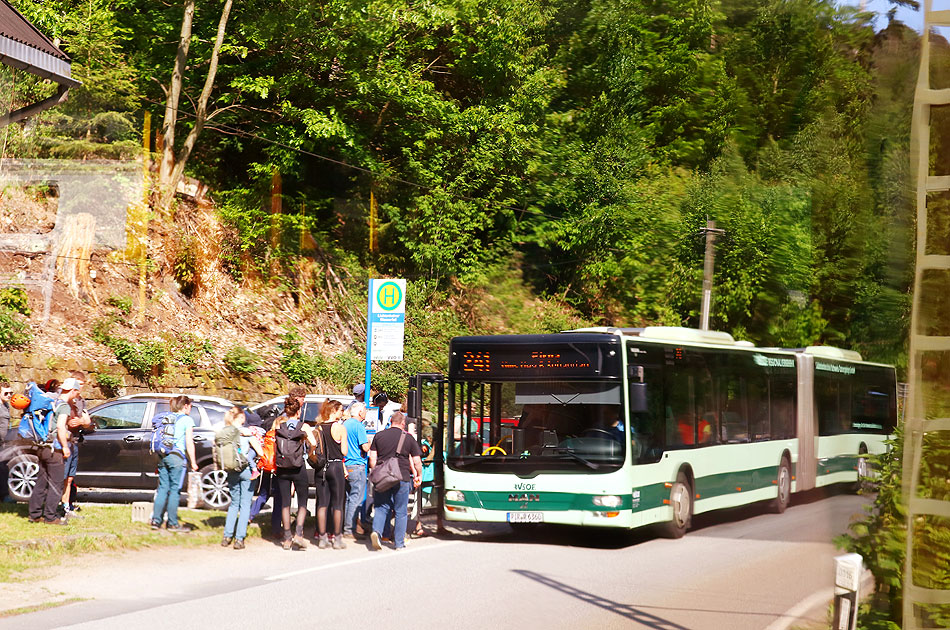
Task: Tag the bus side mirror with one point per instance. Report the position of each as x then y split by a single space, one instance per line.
638 397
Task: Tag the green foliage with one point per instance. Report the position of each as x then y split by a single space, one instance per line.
240 360
187 349
296 364
185 268
109 384
880 538
144 359
14 330
122 303
14 298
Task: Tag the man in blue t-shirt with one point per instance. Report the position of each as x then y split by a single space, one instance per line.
171 467
355 462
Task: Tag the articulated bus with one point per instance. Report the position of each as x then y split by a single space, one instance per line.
624 428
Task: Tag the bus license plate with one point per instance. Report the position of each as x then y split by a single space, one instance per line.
525 517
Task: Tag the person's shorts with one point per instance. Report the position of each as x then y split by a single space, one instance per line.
72 462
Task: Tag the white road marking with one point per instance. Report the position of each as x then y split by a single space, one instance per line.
378 555
824 596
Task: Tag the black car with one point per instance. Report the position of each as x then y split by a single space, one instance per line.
116 454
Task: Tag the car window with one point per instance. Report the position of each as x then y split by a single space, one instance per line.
125 415
311 411
161 406
215 414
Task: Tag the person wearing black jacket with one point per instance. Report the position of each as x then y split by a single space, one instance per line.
292 469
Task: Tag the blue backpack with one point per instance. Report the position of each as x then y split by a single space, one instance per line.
162 441
37 418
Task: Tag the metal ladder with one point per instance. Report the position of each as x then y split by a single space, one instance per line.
916 424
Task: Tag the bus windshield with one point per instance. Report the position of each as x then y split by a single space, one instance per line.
526 427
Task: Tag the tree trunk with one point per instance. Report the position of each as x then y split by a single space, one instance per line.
174 93
202 114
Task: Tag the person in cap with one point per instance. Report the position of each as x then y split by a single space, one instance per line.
78 424
50 460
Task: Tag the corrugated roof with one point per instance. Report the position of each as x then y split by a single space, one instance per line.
16 27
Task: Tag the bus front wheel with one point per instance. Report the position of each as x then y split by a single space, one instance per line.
681 500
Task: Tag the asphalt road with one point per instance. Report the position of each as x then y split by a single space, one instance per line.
739 569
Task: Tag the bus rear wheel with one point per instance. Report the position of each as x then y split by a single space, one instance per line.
784 482
681 500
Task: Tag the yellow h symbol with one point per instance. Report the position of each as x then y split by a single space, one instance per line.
390 296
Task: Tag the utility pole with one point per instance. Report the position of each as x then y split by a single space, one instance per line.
708 267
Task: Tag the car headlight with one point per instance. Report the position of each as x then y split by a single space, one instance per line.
608 500
455 496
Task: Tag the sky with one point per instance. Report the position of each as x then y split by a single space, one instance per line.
913 19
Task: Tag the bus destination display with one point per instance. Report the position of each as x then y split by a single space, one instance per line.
524 363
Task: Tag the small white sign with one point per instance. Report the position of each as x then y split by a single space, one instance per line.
848 571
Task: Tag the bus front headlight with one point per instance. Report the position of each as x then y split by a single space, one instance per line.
455 496
608 501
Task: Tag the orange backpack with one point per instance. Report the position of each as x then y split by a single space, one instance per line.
266 461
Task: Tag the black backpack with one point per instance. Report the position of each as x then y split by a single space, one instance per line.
317 455
288 446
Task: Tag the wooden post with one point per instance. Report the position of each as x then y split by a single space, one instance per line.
142 223
373 243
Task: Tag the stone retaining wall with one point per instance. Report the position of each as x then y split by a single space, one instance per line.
21 367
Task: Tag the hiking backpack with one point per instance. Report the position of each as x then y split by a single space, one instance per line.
227 450
288 447
162 440
37 418
266 460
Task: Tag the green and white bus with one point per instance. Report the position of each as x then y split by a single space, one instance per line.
624 428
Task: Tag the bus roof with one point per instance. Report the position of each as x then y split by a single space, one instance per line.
713 337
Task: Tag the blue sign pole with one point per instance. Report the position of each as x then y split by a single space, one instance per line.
369 343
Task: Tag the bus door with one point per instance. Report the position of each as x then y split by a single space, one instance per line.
425 404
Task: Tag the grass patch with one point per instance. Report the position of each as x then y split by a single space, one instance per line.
24 610
25 545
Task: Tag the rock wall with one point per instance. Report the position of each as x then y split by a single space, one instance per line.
21 367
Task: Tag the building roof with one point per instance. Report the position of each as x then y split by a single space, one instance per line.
14 26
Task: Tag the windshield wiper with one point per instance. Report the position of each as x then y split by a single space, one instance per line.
573 455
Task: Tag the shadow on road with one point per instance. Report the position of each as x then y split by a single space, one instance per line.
630 611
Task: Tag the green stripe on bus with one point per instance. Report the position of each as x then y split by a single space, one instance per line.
839 463
643 498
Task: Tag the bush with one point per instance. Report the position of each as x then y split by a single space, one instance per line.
14 331
298 366
187 349
122 304
109 384
15 299
143 359
240 360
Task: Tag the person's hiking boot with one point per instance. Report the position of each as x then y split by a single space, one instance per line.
226 541
55 521
374 541
155 524
239 543
338 542
323 542
178 529
301 542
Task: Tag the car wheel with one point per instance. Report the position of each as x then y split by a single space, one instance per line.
214 489
22 476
